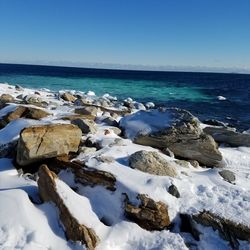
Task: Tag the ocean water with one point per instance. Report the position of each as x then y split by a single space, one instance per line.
196 92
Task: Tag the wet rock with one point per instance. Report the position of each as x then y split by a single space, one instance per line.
86 126
19 88
150 215
228 229
152 163
176 129
228 136
214 122
227 175
68 97
174 191
111 121
47 141
73 229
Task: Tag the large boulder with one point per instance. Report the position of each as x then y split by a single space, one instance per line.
149 214
40 142
152 163
74 230
176 129
229 136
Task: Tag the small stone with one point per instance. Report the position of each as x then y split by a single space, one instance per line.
68 97
174 191
227 175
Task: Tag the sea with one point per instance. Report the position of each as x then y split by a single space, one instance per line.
220 96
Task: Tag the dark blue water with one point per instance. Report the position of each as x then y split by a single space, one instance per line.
196 92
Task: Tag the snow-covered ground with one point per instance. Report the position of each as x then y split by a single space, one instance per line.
29 225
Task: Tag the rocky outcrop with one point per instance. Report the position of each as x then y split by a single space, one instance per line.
229 136
73 229
150 215
228 229
47 141
152 163
83 174
86 126
175 129
23 112
68 97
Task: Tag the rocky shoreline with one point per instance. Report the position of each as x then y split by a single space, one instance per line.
111 166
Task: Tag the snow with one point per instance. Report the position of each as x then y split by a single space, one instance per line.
221 98
25 225
144 122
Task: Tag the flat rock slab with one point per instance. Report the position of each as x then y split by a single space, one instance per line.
41 142
175 129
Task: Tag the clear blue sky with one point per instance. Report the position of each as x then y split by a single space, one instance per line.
213 33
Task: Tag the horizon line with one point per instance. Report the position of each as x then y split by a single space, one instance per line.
136 67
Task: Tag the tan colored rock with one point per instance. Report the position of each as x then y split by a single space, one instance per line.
152 163
150 215
23 112
89 110
5 98
86 126
68 97
41 142
73 229
75 116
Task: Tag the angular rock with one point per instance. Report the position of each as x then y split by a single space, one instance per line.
86 126
23 112
83 174
149 215
111 121
73 229
74 117
90 110
174 191
152 163
176 129
227 175
68 97
35 100
47 141
228 229
229 136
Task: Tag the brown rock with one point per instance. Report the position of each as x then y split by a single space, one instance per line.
47 141
83 174
89 110
68 97
5 98
228 229
86 126
149 215
73 229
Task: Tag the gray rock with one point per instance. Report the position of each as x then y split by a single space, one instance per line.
227 175
229 136
174 191
87 111
167 152
86 126
86 150
152 163
111 121
176 129
19 88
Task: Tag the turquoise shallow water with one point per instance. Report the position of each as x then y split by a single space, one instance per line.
196 92
122 88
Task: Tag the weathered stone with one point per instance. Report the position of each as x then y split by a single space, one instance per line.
23 112
86 126
227 175
6 98
194 163
75 116
174 191
86 150
47 141
228 229
68 97
183 163
73 229
229 136
176 129
150 215
152 163
35 100
89 110
83 174
167 152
